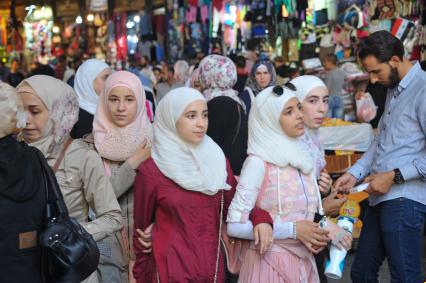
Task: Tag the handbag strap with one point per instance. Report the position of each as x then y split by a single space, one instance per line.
61 156
53 192
219 237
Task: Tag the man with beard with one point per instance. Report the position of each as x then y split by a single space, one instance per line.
394 167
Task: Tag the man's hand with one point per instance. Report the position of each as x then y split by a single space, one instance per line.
380 183
332 205
345 183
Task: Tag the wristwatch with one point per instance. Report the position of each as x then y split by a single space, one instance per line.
398 179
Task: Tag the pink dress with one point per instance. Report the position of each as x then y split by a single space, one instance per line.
290 196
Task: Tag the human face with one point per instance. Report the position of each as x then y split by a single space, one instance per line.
383 73
37 114
291 119
157 74
99 82
262 76
192 124
315 107
122 106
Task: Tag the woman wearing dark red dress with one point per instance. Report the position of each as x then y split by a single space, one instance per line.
185 189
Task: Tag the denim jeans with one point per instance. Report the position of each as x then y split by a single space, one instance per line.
392 229
336 107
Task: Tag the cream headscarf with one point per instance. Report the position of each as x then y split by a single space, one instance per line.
267 139
12 112
116 143
62 104
200 168
306 84
83 84
311 85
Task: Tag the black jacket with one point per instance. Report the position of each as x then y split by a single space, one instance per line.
229 129
83 126
22 212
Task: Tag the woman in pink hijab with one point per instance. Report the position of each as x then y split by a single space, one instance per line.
122 135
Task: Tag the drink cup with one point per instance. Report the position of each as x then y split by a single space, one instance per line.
335 264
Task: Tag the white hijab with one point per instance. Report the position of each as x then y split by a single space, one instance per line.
305 84
311 85
267 139
200 168
83 84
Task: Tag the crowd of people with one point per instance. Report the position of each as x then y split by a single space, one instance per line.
158 162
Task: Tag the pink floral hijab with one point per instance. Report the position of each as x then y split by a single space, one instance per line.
119 143
217 75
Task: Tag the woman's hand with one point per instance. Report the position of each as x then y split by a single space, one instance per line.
263 236
332 204
145 238
324 182
311 235
343 241
142 153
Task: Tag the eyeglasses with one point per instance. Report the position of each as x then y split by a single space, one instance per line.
279 90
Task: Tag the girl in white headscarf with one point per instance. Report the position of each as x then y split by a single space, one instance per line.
52 108
278 176
181 189
88 84
313 95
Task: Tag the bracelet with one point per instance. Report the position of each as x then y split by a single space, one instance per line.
294 231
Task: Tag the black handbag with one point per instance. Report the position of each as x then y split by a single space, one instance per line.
70 253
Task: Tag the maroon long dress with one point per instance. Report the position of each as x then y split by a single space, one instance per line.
186 229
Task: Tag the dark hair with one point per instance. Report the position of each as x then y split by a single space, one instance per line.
331 58
171 69
62 58
240 61
156 69
382 45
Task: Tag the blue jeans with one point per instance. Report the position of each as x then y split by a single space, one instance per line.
336 107
392 229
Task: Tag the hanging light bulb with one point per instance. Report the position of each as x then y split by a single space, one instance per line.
90 17
78 20
137 19
55 29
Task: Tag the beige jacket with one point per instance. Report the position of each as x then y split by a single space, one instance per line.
122 178
84 184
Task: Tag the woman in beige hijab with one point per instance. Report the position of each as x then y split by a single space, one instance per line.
52 109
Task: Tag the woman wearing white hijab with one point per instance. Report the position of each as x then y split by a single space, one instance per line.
278 176
88 84
313 95
52 108
184 189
